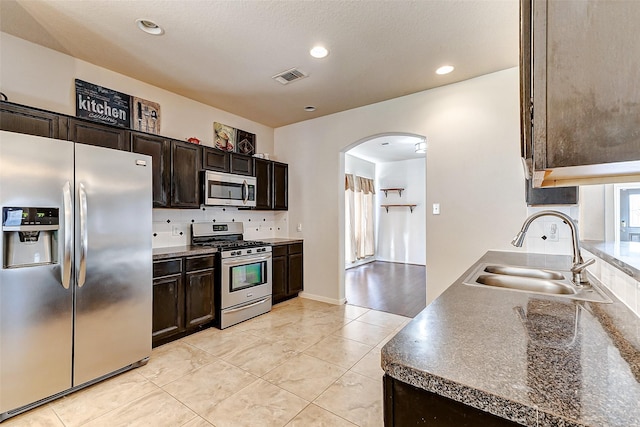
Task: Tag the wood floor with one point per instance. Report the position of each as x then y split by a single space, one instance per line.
387 286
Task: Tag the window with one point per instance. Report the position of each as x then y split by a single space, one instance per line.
634 210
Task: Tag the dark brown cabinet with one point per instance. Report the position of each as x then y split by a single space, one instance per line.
579 113
240 164
159 149
280 186
99 135
185 170
264 183
199 291
215 160
406 405
286 271
168 300
183 297
31 121
272 192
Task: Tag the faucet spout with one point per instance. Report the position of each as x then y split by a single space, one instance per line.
578 268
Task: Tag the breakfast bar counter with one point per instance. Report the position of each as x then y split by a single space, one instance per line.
532 359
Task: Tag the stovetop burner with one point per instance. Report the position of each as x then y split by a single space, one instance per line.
224 236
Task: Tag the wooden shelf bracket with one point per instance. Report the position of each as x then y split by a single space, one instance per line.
397 206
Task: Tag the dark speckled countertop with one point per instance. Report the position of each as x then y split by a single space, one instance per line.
536 360
188 250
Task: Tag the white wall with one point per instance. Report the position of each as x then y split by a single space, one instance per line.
401 233
365 169
39 77
473 170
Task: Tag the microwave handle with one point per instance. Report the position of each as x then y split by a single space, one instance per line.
245 192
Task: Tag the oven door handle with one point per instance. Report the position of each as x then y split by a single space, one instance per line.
247 260
233 310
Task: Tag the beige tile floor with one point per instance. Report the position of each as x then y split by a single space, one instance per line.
305 363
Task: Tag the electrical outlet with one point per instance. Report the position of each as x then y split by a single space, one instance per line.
436 208
551 231
175 231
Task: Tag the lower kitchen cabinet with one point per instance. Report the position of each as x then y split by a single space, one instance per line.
183 297
406 405
287 273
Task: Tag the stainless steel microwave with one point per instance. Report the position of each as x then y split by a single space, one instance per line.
225 189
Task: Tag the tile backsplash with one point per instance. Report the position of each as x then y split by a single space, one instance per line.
172 227
541 238
625 287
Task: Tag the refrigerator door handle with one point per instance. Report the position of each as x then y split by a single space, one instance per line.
65 271
82 271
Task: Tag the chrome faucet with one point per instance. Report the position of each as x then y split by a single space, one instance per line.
579 266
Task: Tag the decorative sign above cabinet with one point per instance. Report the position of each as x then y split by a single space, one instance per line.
102 105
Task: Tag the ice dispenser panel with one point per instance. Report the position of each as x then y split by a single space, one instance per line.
29 236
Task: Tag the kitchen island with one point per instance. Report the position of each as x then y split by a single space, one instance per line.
515 357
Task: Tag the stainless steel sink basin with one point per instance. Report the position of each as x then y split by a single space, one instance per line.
529 284
524 272
555 283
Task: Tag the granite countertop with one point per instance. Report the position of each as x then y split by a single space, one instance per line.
532 359
189 250
624 255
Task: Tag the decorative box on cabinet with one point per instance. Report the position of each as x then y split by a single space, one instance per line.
32 121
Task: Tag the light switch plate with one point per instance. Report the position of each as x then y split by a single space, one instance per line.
436 208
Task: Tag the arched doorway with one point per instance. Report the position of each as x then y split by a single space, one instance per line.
388 273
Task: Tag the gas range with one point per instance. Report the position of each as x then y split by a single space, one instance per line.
227 238
243 271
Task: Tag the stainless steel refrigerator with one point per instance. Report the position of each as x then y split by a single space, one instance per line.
76 276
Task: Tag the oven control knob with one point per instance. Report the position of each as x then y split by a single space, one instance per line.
248 251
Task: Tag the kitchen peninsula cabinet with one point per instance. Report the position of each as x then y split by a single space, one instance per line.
579 98
86 132
287 271
32 121
185 171
159 149
183 297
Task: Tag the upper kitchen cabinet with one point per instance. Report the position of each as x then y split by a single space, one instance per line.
240 164
185 162
215 160
580 68
32 121
280 186
105 136
159 149
264 183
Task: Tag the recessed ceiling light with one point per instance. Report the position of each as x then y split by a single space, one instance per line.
149 27
310 108
319 52
445 69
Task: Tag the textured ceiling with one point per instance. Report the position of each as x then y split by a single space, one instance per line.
224 53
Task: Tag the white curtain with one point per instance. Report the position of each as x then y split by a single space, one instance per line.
359 238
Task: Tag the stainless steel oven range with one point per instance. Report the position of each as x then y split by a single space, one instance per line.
243 277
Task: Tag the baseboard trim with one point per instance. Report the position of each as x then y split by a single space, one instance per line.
320 298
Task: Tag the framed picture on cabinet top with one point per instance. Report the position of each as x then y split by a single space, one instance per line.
245 142
224 137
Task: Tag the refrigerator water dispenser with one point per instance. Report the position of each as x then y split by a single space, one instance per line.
30 236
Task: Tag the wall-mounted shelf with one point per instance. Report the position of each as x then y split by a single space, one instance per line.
398 206
386 190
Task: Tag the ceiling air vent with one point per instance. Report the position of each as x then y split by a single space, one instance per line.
289 76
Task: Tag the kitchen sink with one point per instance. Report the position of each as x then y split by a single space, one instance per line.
533 280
